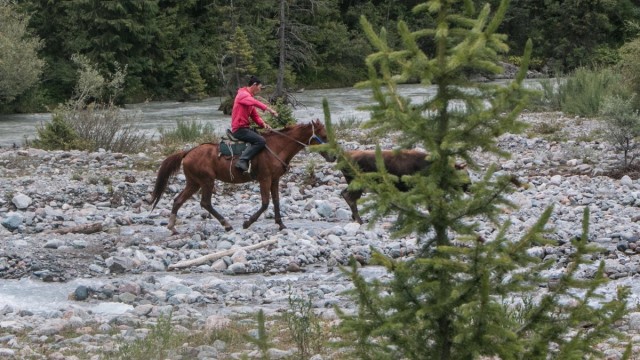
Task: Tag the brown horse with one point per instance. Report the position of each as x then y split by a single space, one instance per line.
203 165
399 163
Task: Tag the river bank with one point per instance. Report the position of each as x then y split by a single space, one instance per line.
114 283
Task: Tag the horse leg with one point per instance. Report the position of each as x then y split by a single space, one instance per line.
264 191
275 196
351 197
205 202
184 195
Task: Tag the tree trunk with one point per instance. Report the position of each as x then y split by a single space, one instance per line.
218 255
80 229
281 65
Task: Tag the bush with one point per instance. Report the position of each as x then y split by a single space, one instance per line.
285 115
56 135
92 115
548 99
104 127
585 90
629 65
188 131
158 344
622 126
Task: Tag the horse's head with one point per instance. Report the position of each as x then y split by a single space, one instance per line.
319 136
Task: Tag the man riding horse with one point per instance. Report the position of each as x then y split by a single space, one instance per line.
244 110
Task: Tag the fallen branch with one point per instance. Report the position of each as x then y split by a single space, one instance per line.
216 256
80 229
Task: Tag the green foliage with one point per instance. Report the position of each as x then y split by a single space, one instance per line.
447 302
534 64
324 46
584 90
304 326
119 32
191 85
188 131
549 98
262 339
20 65
56 135
241 53
161 339
348 123
622 126
91 114
570 34
546 128
629 65
285 115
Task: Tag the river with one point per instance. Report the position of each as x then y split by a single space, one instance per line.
345 104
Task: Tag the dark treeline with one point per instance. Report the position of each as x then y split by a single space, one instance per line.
188 49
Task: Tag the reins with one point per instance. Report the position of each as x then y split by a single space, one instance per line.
312 137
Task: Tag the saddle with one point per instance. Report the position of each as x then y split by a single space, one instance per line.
230 146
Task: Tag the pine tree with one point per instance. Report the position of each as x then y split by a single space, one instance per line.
242 54
456 298
192 86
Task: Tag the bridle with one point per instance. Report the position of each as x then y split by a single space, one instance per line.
312 137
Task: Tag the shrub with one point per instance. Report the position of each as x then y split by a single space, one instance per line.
304 326
548 98
622 126
585 90
97 124
629 65
285 114
104 127
161 339
188 131
55 135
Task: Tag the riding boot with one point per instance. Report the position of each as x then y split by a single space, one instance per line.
245 157
242 164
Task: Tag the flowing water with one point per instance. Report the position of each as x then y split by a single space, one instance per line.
344 104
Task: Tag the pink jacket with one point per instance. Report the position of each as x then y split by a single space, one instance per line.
244 107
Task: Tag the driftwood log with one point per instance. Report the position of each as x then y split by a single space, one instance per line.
80 229
211 257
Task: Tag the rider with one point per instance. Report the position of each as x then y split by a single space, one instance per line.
244 110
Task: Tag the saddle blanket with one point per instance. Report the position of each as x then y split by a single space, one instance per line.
232 148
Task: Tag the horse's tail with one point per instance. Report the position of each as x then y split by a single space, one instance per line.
168 168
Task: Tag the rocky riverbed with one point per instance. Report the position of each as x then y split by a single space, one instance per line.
81 253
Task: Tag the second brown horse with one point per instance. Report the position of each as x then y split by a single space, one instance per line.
399 163
202 166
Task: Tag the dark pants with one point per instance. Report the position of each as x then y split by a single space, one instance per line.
256 140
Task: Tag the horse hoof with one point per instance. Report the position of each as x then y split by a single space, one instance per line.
228 228
246 224
174 231
282 227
